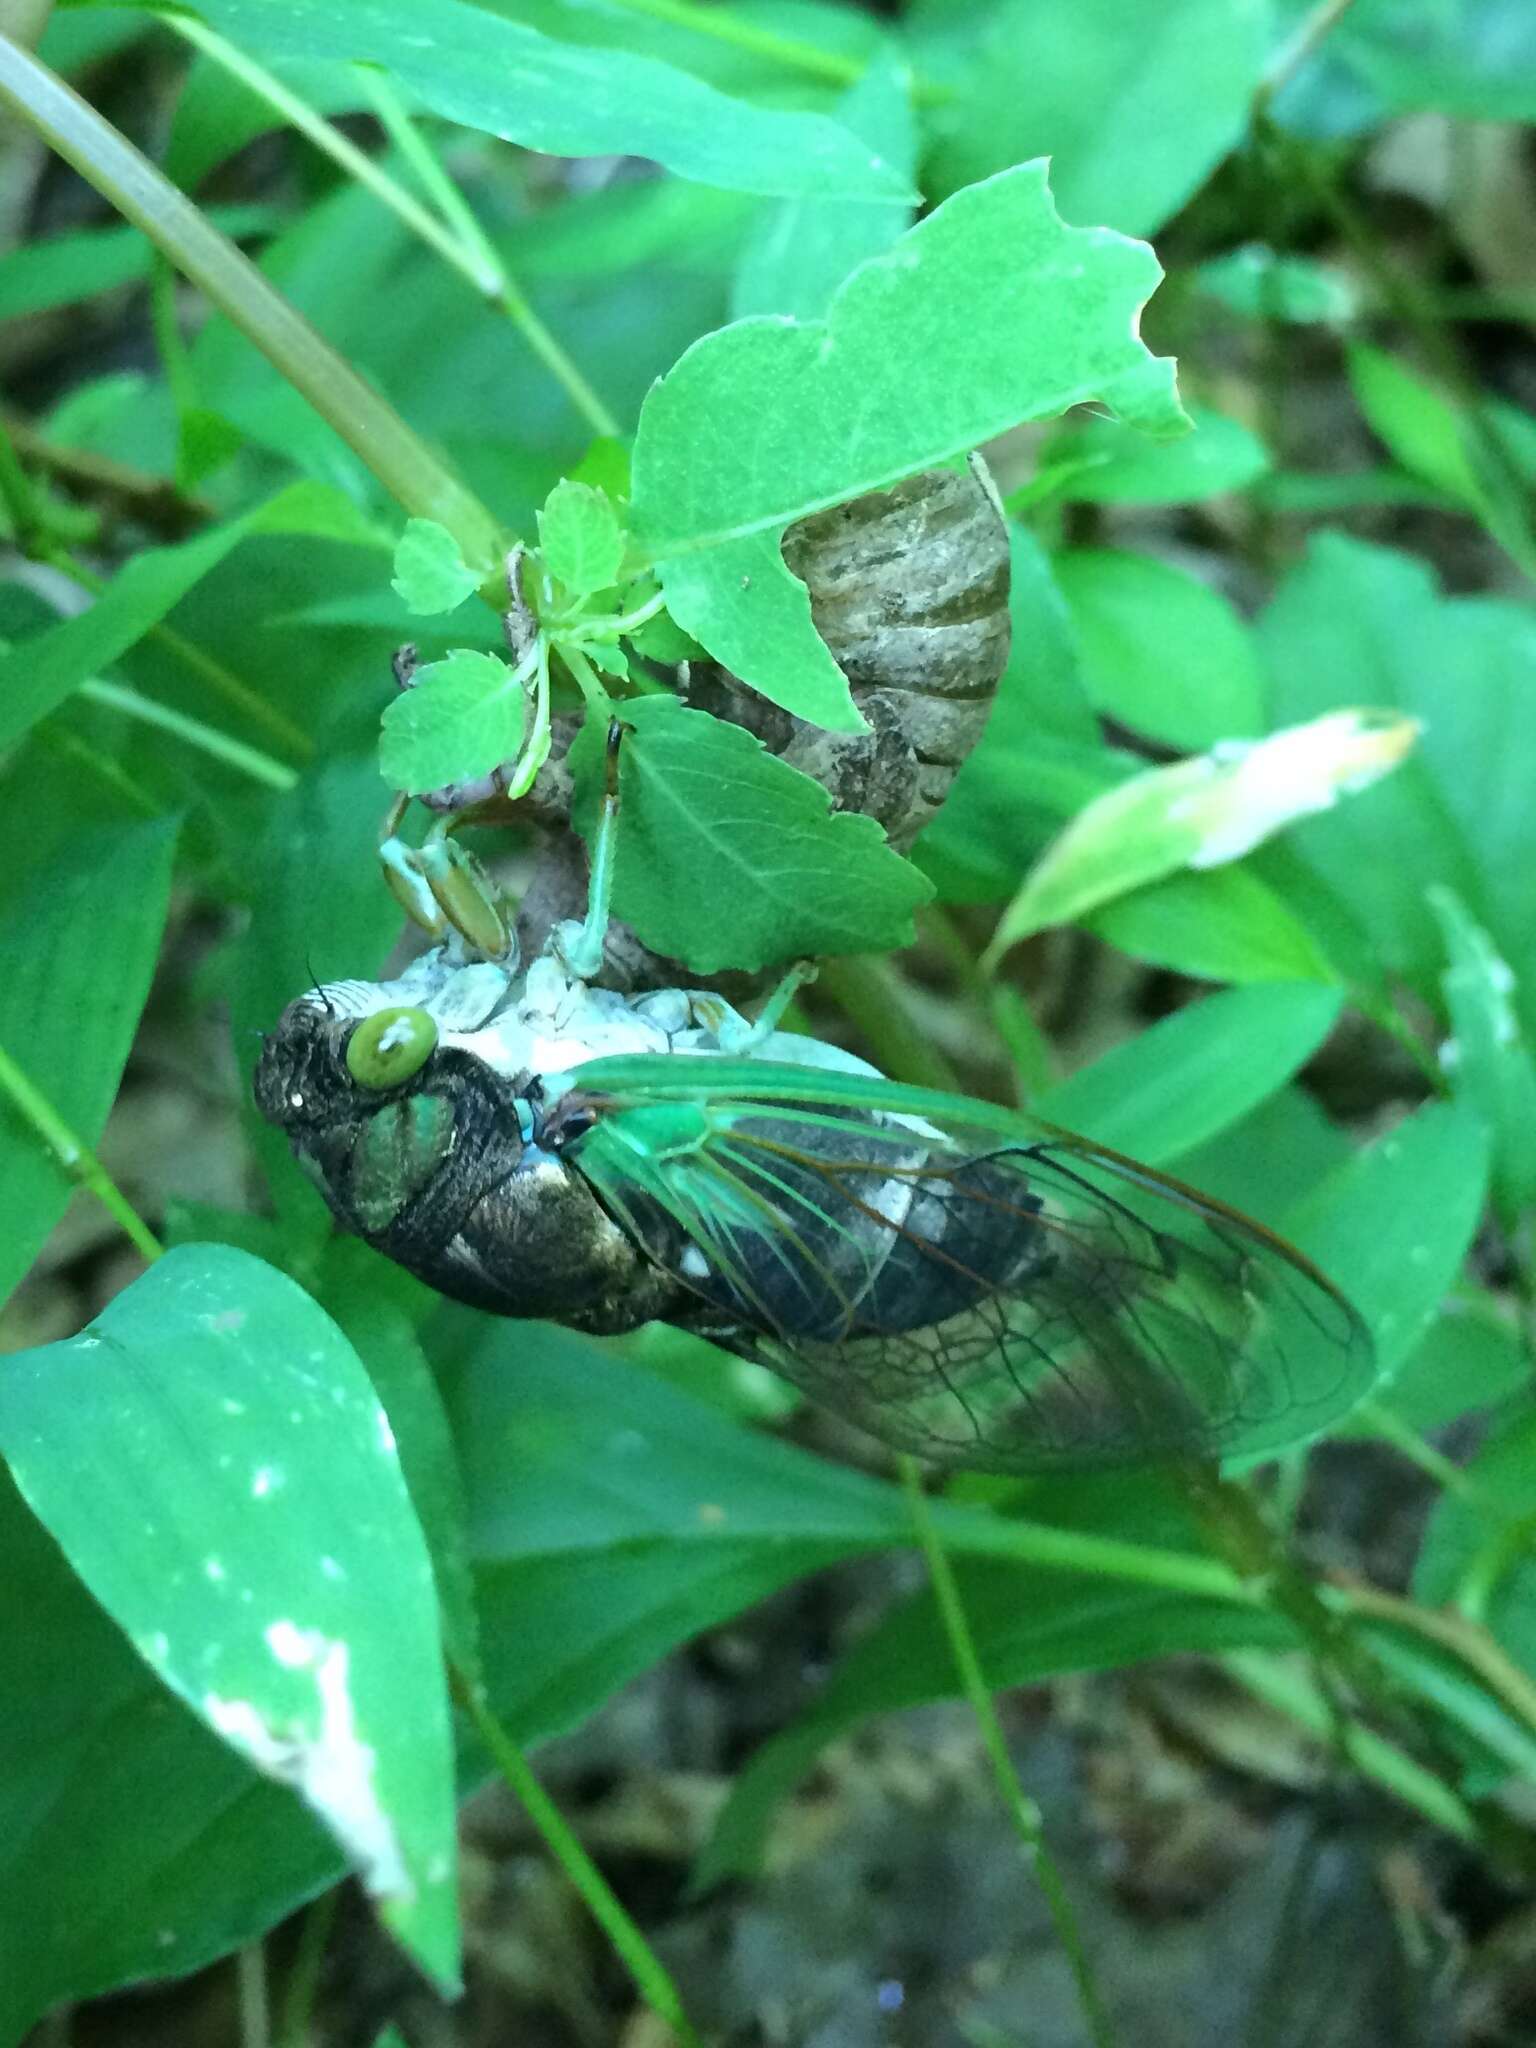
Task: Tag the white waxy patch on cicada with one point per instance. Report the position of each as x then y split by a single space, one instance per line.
324 1760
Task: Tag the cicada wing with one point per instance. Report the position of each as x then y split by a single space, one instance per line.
1019 1308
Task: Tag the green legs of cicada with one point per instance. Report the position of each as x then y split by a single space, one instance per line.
580 945
443 888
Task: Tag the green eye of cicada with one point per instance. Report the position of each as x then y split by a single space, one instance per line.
390 1046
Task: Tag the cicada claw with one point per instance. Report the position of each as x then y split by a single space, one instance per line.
442 888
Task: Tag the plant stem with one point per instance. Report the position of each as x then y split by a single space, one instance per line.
77 1161
251 1982
1285 1687
650 1975
206 738
304 1978
868 993
1294 52
1028 1821
403 463
497 282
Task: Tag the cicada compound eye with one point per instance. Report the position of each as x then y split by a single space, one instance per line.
390 1046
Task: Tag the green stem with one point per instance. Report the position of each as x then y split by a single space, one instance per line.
304 1976
18 496
869 994
1285 1687
725 25
497 281
251 1983
77 1161
206 738
650 1975
1028 1821
403 463
1101 1557
1294 52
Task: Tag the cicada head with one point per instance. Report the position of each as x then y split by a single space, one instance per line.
432 1155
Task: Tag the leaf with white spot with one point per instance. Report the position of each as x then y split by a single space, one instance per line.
1201 813
1487 1056
214 1463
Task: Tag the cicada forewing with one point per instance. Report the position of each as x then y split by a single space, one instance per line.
1008 1306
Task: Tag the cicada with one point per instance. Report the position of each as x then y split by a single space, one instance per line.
960 1281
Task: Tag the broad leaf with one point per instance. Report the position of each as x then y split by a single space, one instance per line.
215 1464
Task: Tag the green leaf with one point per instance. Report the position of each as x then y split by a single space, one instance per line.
1259 284
581 538
354 1288
1201 813
567 99
1475 58
461 717
730 858
38 674
430 574
1473 1547
800 417
60 270
1163 653
1355 623
1393 1224
1195 1073
1028 1625
157 1849
1102 462
1134 106
1216 924
79 938
612 1517
1471 1358
213 1461
1488 1058
1270 1162
799 251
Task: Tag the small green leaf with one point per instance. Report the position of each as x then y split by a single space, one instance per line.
430 574
1258 284
1195 1073
1162 652
581 538
215 1464
1487 1057
729 858
1477 1550
1471 1358
461 717
1201 813
796 417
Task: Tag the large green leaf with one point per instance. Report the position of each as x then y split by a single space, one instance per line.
1361 624
729 858
215 1464
79 939
1488 1055
1135 106
143 1845
1196 1073
1162 652
565 99
1217 924
767 421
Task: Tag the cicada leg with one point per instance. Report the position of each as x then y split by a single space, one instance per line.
444 889
735 1034
580 946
